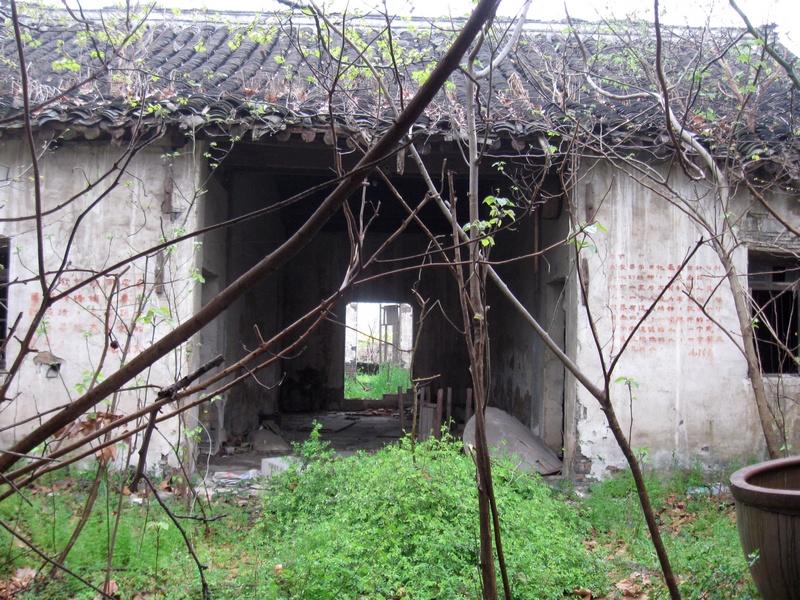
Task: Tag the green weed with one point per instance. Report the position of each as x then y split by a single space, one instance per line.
386 525
389 525
149 556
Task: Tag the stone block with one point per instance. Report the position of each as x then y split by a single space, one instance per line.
278 464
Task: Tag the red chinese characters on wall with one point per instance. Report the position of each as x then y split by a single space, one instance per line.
88 308
678 317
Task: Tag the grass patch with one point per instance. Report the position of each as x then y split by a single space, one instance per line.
384 525
386 381
698 525
149 558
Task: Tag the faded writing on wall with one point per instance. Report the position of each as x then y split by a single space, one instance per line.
679 316
87 310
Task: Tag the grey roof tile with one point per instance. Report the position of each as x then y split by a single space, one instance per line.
267 74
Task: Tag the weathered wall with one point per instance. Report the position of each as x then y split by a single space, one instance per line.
516 380
547 416
157 197
261 307
693 400
759 230
315 376
213 260
527 379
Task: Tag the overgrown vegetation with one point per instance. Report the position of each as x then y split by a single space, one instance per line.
149 554
393 524
387 525
386 381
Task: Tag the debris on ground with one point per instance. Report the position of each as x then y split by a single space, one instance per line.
716 489
506 435
229 478
375 412
241 486
634 586
277 464
266 441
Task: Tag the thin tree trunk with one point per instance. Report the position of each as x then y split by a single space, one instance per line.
644 497
751 355
482 474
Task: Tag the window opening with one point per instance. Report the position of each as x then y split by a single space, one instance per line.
378 343
773 287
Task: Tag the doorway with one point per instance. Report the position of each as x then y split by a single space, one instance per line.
378 346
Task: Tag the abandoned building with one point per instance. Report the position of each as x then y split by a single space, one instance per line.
146 133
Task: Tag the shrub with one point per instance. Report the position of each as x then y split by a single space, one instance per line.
395 524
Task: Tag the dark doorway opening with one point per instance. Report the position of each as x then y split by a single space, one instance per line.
309 379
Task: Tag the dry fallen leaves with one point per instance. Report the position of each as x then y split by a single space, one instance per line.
12 586
110 588
633 586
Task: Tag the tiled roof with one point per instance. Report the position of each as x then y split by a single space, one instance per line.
270 75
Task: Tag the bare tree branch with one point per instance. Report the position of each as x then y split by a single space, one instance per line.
791 70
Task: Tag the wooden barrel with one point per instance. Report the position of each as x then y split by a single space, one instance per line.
767 498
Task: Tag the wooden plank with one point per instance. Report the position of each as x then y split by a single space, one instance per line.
437 424
449 411
427 416
401 407
420 392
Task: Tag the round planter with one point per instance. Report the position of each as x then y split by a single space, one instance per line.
767 498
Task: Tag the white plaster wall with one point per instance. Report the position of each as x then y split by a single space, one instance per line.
694 400
132 217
